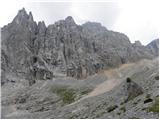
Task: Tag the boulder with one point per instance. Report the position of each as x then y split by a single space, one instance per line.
131 89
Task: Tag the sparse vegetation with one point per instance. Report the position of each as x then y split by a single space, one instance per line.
69 95
66 94
155 106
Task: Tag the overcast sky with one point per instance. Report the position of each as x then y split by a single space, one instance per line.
138 19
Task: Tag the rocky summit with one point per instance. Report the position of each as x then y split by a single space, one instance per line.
65 70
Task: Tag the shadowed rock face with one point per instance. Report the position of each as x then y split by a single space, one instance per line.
154 47
39 52
132 90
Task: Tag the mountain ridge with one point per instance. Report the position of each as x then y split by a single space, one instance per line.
41 51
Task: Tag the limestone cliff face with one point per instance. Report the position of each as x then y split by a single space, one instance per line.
36 51
154 47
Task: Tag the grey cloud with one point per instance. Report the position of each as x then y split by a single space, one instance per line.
48 11
107 13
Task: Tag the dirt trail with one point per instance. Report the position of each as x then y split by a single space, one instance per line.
114 77
105 87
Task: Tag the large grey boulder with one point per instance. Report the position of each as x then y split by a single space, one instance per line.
132 89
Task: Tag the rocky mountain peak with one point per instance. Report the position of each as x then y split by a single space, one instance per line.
22 12
21 16
69 20
154 46
137 43
30 16
41 27
94 27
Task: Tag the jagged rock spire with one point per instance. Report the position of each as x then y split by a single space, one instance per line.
69 20
41 27
30 16
22 11
22 17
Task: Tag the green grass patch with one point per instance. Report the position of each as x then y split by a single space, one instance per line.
155 106
66 94
69 95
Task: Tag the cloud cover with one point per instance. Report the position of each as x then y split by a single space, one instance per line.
138 19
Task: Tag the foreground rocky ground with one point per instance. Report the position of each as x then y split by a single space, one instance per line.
106 94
